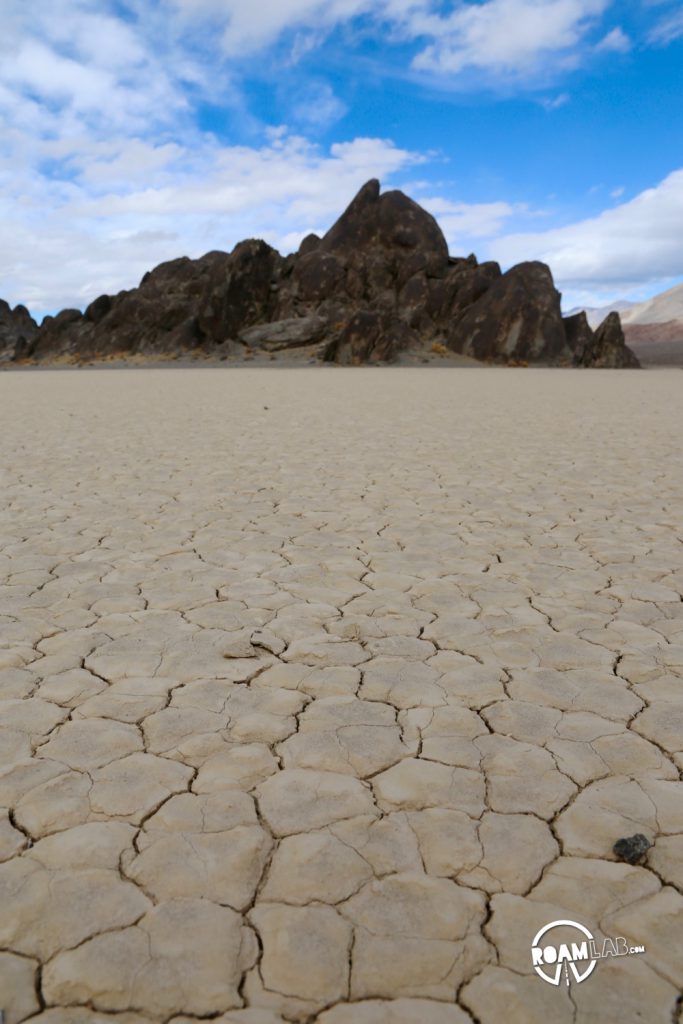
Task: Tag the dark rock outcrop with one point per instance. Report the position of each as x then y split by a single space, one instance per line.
517 319
180 306
607 348
370 336
372 275
18 330
579 333
380 282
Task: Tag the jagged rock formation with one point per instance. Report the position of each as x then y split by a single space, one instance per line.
17 331
380 282
179 306
517 318
608 347
579 334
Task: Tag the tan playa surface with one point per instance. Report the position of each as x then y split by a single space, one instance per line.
323 690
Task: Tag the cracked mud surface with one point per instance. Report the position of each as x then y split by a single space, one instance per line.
321 691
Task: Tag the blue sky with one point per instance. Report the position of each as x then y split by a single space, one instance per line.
135 131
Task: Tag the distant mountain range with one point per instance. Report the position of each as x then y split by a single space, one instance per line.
653 329
596 314
661 309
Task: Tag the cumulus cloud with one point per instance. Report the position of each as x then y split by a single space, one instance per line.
627 246
463 222
128 205
104 171
249 27
501 37
615 41
507 36
317 106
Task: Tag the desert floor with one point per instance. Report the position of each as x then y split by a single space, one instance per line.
324 690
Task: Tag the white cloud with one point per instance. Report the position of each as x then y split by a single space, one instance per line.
555 102
104 173
502 37
668 29
462 222
128 205
70 70
316 106
249 27
615 41
507 36
627 246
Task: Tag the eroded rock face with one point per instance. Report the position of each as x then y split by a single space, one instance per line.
517 318
17 331
380 282
607 347
294 332
372 275
370 336
579 333
179 306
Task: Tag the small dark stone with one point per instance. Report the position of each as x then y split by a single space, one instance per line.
632 849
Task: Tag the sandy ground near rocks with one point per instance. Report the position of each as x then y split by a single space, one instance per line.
323 691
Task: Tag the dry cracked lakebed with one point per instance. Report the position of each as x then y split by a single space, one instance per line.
323 691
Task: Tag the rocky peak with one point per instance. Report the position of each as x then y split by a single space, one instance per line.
607 347
389 220
354 227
